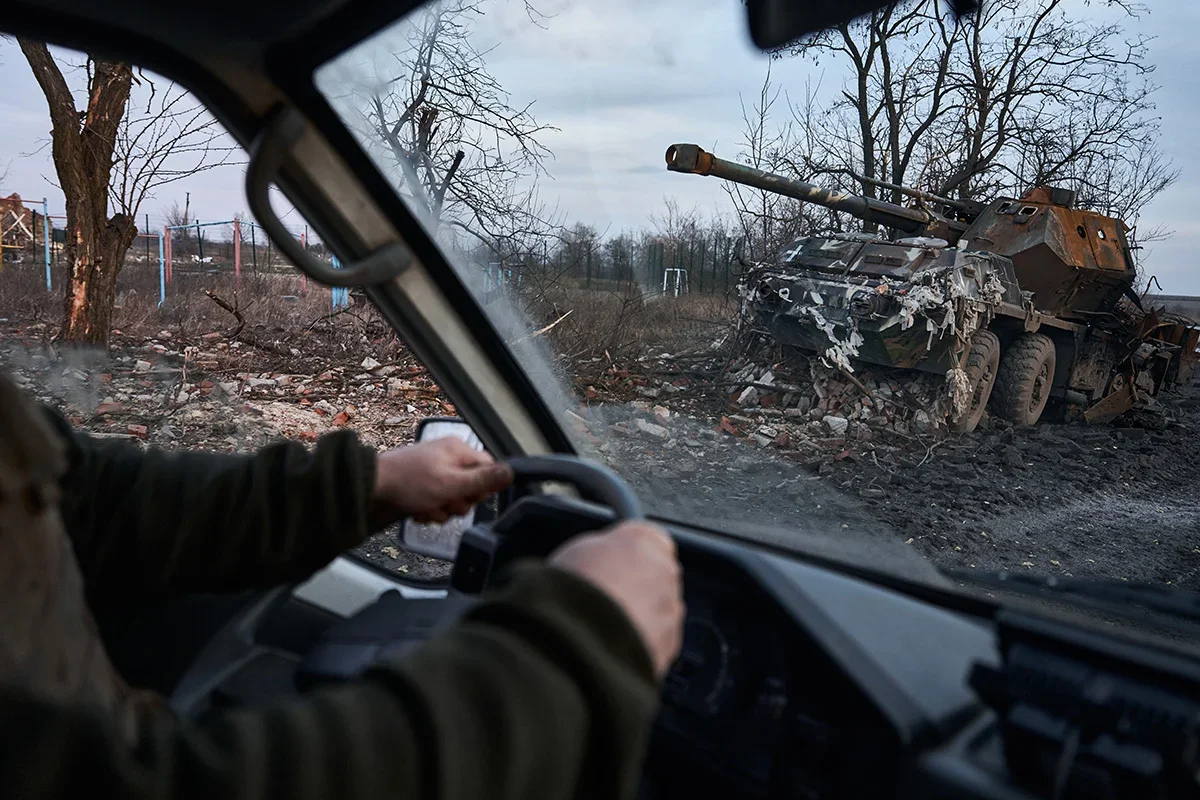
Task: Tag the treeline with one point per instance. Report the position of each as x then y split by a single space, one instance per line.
678 252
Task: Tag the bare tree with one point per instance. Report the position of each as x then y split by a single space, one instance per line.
674 229
165 139
176 216
768 220
461 148
1021 94
108 161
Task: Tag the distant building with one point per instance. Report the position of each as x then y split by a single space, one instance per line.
20 226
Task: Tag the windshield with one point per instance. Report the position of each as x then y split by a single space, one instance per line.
743 356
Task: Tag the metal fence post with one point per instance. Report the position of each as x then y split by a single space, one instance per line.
46 241
162 269
340 296
167 250
237 250
303 277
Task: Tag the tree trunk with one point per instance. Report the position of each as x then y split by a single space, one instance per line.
95 258
83 145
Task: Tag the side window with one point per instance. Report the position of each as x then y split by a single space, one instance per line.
205 337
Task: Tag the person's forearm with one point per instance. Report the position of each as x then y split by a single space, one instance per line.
544 690
151 520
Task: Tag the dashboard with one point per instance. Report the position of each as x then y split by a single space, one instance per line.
754 707
796 681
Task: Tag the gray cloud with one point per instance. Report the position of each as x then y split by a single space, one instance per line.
624 79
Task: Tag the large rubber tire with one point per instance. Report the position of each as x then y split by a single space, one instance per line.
1025 378
983 363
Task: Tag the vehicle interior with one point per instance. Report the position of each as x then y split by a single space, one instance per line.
817 670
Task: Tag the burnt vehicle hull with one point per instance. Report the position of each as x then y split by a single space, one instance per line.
1030 297
887 348
907 305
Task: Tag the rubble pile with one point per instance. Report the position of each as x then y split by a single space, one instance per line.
845 404
801 411
199 394
165 391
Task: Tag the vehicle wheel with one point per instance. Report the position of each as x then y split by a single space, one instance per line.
983 361
1024 379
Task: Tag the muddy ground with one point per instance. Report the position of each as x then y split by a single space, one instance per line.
1111 501
1058 499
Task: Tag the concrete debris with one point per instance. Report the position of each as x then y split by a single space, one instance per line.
838 425
650 429
143 366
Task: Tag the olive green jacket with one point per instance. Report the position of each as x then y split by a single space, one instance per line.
543 690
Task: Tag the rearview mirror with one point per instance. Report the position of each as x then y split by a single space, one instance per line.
775 23
440 540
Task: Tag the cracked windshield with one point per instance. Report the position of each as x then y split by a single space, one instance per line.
910 279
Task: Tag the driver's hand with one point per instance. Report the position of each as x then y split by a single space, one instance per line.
435 480
635 564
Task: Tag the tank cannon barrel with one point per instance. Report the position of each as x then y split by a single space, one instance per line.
692 158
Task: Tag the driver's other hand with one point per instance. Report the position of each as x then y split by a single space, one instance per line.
435 480
635 564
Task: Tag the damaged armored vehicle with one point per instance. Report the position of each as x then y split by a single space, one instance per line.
1014 301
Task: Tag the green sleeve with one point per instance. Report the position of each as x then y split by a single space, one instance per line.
543 690
144 521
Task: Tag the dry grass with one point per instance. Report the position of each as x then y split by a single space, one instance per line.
623 326
614 325
23 295
275 311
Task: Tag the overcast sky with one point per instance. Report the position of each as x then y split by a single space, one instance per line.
621 81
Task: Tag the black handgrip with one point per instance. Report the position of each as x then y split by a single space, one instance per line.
282 131
594 481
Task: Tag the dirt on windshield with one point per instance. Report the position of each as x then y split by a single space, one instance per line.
1116 502
1106 501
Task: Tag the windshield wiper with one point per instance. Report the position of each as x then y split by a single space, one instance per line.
1118 594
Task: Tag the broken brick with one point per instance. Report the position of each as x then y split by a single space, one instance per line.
140 431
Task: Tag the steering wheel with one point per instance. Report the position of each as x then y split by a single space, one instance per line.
484 548
594 481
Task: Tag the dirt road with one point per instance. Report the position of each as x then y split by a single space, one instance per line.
1057 499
